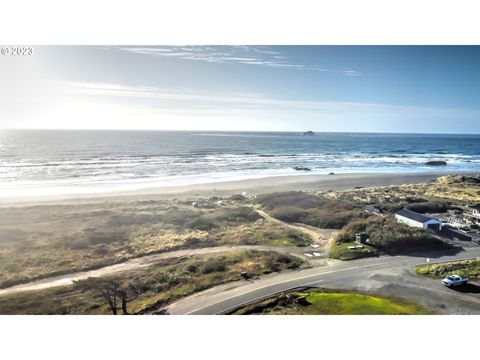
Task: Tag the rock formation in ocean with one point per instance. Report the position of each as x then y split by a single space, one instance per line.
436 163
298 168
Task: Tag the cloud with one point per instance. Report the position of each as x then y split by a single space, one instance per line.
248 55
190 99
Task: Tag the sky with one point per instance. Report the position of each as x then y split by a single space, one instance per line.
420 89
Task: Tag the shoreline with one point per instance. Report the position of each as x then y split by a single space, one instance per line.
226 188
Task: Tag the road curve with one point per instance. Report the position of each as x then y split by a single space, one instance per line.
390 276
139 263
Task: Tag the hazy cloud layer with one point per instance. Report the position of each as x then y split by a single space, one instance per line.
191 99
248 55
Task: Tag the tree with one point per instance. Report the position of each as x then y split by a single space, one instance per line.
110 290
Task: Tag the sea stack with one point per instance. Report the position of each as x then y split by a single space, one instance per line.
308 133
436 163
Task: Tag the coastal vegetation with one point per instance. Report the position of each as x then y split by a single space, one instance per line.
469 268
310 209
437 196
41 241
345 211
390 237
150 289
330 302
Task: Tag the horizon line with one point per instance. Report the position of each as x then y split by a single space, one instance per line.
239 131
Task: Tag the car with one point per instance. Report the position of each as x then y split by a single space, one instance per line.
455 280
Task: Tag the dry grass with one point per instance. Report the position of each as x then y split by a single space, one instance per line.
156 286
41 241
460 189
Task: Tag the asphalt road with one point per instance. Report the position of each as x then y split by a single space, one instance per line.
389 276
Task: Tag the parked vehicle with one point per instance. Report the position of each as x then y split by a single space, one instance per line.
455 280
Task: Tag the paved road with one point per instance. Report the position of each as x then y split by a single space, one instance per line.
389 276
140 263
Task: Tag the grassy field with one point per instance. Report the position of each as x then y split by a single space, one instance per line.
41 241
153 287
342 251
325 302
467 267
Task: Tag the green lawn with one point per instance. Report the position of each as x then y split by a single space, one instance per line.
356 304
466 267
324 302
341 251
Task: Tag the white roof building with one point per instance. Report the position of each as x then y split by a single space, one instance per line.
411 218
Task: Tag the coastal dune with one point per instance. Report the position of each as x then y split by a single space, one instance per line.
227 188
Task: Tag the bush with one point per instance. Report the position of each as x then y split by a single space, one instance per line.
201 224
214 265
238 197
192 268
239 215
429 207
326 218
298 199
178 217
389 236
332 218
298 207
279 261
289 214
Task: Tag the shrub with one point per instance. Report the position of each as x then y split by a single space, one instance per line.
238 197
429 207
290 214
387 235
178 217
310 209
239 215
213 265
298 199
201 224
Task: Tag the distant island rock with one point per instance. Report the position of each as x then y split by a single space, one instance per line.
332 173
308 133
436 163
298 168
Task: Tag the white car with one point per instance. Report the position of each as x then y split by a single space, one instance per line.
455 280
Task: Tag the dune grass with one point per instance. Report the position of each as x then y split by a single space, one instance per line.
42 241
470 268
155 286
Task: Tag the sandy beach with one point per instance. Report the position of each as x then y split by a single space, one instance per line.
227 188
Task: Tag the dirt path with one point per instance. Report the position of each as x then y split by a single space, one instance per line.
140 263
320 237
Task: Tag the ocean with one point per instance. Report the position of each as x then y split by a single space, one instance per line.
42 162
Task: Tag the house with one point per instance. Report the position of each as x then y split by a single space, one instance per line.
414 219
476 210
473 216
